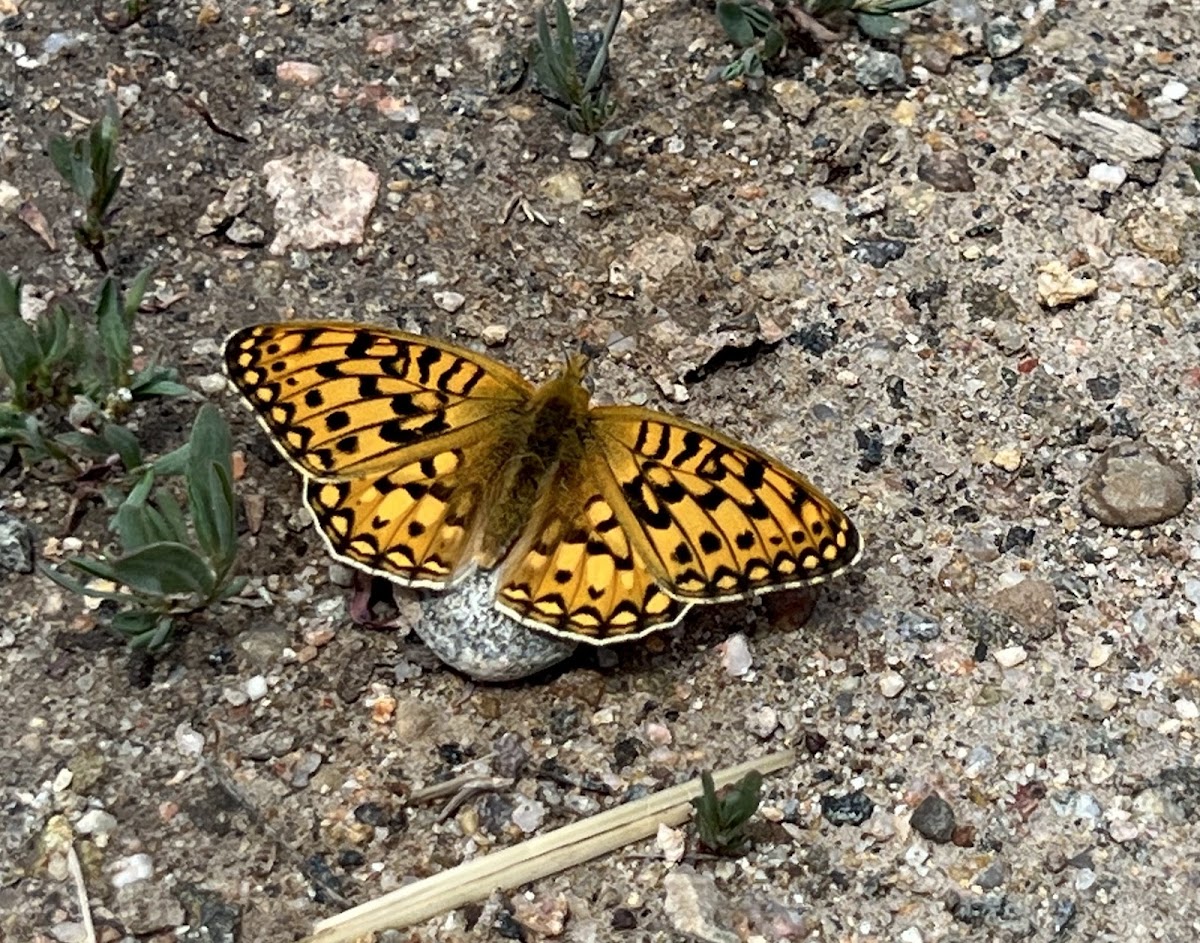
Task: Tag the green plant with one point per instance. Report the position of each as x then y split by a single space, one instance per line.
62 371
583 101
88 164
721 820
167 569
757 29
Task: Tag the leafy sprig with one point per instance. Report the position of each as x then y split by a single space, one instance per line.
583 101
721 820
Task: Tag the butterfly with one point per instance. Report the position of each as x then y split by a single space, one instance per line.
423 460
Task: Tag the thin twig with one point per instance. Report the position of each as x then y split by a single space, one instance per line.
85 909
190 101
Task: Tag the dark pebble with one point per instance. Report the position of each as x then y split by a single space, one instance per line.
878 252
851 809
934 819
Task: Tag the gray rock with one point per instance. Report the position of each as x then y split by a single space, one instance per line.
464 630
147 907
1031 604
693 903
880 70
851 809
949 171
934 819
1114 140
1003 37
1135 485
16 545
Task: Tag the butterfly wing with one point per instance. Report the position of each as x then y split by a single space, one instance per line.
716 519
342 399
397 436
575 573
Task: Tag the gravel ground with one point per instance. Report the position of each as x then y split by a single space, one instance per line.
954 280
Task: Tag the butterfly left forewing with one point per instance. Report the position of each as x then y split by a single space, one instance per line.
341 399
715 518
575 573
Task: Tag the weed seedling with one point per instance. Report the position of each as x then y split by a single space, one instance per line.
582 100
89 166
167 569
721 820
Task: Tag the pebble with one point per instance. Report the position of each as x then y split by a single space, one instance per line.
1111 139
878 70
1107 176
736 657
911 935
188 740
256 687
464 629
891 684
1187 709
1057 286
692 903
126 871
934 819
146 907
853 808
796 98
529 815
321 200
1030 603
304 74
450 301
96 822
671 842
1003 37
948 171
495 335
16 545
1174 91
563 188
582 146
1008 459
707 218
1135 485
762 721
1010 657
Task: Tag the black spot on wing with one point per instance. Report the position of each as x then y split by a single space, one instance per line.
360 346
313 399
425 362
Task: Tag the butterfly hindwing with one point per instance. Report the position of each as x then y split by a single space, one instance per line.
344 399
718 519
576 573
415 524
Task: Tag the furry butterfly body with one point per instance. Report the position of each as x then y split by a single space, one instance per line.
423 460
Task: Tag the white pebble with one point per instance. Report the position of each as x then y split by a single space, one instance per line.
1186 709
736 657
1011 657
529 815
256 687
891 684
188 740
96 822
911 935
1174 91
132 869
1109 176
449 300
671 843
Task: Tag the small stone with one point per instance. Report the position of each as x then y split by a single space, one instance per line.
449 300
671 842
529 815
878 252
1187 709
1136 485
243 232
948 171
1174 91
796 98
693 903
1032 604
126 871
495 335
762 721
146 907
1057 286
853 808
877 70
582 146
1010 657
934 819
1009 459
707 218
188 740
256 687
96 822
16 545
68 931
891 683
911 935
1107 177
321 200
736 657
1003 37
563 188
304 74
545 917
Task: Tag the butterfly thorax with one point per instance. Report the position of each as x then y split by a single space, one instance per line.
545 435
